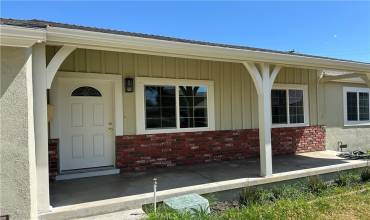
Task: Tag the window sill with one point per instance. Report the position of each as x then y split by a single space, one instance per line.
174 130
357 124
289 125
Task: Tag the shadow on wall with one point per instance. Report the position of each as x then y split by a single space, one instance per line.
12 61
297 139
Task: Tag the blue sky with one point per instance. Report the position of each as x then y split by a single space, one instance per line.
334 29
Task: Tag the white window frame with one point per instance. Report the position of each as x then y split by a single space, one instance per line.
356 90
141 82
288 87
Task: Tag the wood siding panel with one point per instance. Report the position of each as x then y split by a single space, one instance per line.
236 105
111 62
227 97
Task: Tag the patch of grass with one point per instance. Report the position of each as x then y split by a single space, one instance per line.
289 191
365 174
316 185
312 199
347 179
254 195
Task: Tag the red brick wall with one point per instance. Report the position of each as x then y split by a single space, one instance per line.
140 152
53 158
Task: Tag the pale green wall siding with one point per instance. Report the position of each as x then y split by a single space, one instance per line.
331 108
235 94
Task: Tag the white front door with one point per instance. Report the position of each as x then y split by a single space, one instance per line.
87 135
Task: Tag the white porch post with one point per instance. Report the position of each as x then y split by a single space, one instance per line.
263 81
264 122
42 78
41 126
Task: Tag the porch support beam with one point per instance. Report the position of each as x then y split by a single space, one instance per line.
366 78
41 126
338 77
263 80
55 63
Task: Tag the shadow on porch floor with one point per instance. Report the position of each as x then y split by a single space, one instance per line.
68 192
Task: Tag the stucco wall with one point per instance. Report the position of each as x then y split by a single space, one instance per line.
235 95
17 152
332 115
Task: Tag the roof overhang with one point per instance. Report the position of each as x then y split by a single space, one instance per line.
13 36
116 42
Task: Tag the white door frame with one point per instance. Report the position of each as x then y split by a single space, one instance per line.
55 100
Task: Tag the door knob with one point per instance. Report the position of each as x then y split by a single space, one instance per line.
110 129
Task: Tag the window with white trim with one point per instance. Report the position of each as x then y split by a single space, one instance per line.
170 105
356 106
289 105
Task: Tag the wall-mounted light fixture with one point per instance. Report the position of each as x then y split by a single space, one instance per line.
129 84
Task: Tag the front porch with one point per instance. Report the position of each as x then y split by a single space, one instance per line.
130 190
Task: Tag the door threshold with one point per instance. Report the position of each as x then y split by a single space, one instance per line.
88 172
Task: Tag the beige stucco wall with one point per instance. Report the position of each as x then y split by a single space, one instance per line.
17 148
332 115
235 95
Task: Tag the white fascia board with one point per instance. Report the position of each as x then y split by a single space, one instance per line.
104 41
14 36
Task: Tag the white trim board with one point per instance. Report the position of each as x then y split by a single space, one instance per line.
115 42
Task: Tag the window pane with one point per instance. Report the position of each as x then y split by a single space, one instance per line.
278 107
364 106
296 112
153 123
186 112
193 106
168 122
200 101
200 122
200 112
160 107
86 91
200 91
352 106
186 91
153 112
186 123
152 97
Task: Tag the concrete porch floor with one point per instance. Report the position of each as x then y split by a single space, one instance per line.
69 192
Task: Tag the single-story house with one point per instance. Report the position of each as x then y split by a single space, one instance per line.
77 98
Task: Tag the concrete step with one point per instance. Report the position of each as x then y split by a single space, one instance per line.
82 173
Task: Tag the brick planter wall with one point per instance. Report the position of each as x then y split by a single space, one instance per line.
53 158
140 152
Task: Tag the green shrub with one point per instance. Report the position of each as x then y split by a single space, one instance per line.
365 174
249 196
346 179
254 195
315 184
287 192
